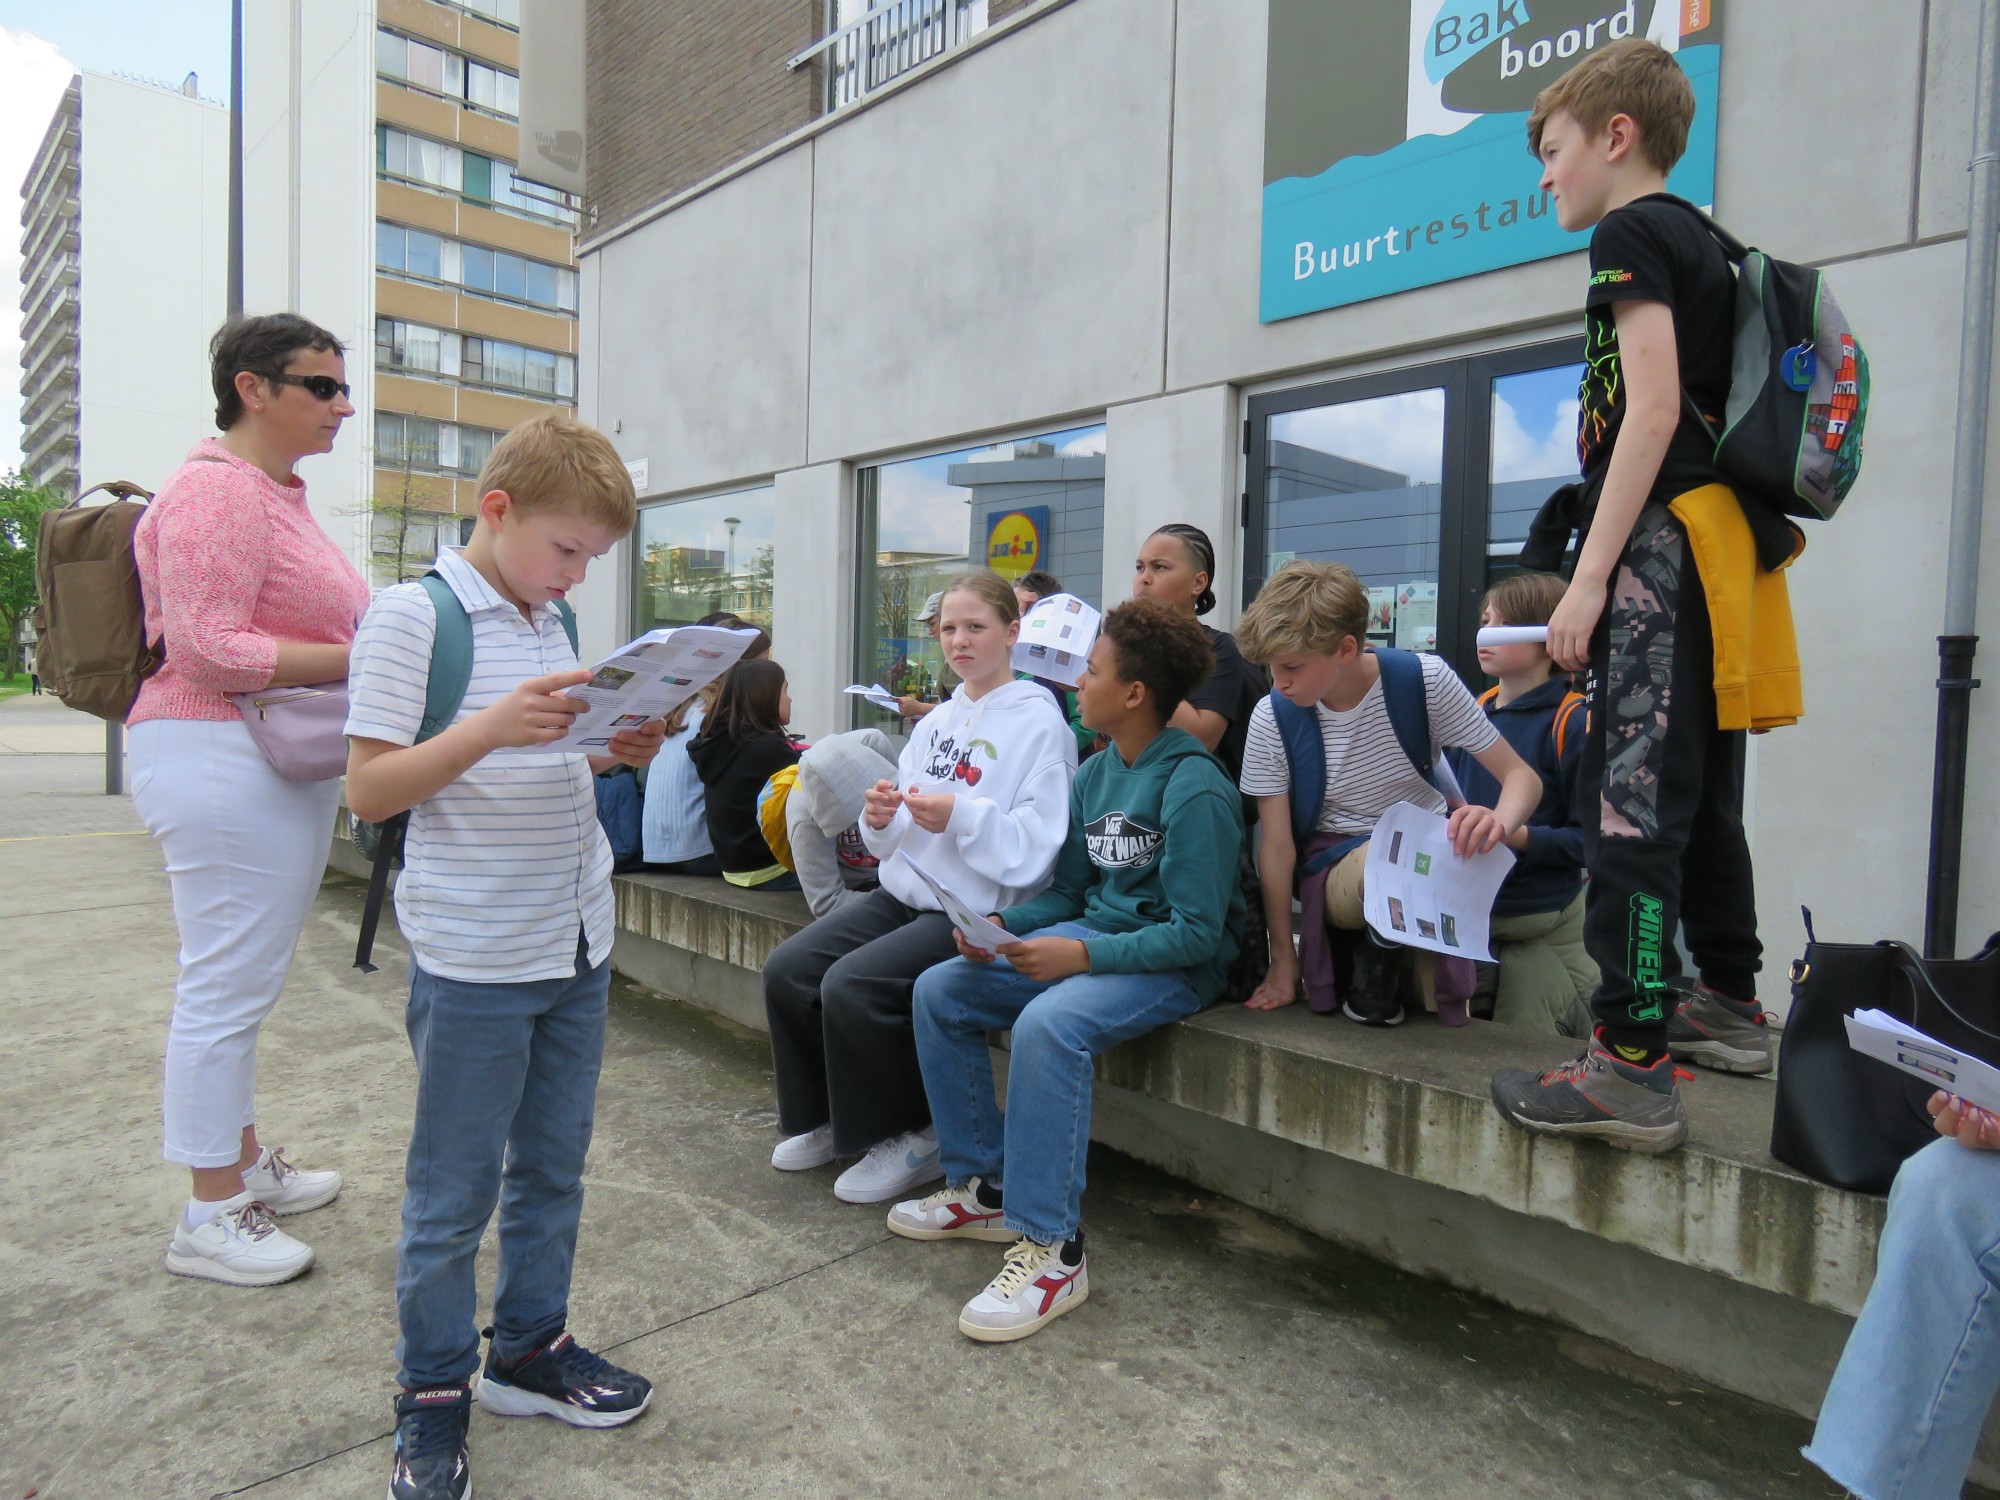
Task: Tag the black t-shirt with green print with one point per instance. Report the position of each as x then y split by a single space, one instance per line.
1655 249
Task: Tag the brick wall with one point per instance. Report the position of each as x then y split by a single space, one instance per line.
675 95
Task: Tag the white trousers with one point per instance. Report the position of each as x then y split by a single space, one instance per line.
245 850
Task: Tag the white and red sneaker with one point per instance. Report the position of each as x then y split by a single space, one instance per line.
970 1211
1039 1282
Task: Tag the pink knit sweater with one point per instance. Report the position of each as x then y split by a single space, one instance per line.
231 562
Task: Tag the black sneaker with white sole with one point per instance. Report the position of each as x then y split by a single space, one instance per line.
1372 996
431 1462
564 1380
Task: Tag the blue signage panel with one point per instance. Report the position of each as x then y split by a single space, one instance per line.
1359 202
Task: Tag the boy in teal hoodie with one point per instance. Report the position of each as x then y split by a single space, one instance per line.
1136 930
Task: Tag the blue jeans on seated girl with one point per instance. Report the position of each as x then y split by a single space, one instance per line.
1903 1414
1037 1152
506 1094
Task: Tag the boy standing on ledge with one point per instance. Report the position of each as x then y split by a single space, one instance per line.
1669 562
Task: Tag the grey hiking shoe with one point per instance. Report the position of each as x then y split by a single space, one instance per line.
1731 1036
1637 1109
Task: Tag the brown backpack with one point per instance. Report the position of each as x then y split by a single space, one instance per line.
90 619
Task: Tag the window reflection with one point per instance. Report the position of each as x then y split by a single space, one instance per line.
1358 482
1533 452
697 557
1031 504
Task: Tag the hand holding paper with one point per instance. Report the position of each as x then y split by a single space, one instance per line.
988 936
1417 889
647 678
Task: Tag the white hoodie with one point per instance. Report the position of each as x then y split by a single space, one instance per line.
1009 759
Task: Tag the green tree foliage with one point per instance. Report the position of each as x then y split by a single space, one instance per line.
22 502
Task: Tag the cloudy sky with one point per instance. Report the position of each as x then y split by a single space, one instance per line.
44 42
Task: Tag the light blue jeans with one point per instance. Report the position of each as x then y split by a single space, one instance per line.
1903 1414
1038 1150
506 1097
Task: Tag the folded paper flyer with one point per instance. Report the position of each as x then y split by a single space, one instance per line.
1056 637
985 935
648 678
1419 891
1879 1035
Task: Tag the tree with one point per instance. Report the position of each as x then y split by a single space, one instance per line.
22 503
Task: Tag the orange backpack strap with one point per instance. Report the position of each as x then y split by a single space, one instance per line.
1565 711
1486 698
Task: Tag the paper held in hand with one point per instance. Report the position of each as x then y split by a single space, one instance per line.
987 936
1879 1035
1056 638
647 679
876 694
1417 890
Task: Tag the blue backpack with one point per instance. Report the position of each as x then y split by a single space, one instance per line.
1305 751
450 676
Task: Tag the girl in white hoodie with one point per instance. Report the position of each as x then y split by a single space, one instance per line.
981 801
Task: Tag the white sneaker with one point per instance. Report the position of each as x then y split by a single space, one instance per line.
1035 1285
952 1213
801 1153
285 1189
241 1246
890 1168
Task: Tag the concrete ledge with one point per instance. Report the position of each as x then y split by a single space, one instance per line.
1412 1101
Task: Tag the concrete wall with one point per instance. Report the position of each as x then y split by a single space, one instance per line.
309 212
153 240
904 276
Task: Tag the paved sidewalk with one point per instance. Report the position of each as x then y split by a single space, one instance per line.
52 776
801 1351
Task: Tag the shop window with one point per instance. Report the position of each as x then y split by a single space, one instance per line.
698 557
1423 481
1019 506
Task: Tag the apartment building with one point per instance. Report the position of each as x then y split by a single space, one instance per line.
123 226
382 202
1274 267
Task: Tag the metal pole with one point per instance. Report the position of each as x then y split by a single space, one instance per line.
114 759
235 300
1959 642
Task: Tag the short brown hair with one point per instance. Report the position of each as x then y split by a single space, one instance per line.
556 461
1158 646
264 346
1630 77
1525 598
989 587
1307 609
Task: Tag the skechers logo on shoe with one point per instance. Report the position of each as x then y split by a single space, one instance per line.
1648 932
1118 841
447 1393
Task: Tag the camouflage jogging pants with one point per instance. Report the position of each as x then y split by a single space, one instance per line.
1666 850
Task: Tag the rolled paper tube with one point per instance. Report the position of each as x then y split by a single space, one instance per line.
1513 635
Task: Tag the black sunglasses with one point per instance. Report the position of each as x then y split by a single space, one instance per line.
325 387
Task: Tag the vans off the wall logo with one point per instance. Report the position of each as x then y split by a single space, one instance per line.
1395 135
1119 841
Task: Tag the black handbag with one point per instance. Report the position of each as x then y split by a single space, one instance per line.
1851 1120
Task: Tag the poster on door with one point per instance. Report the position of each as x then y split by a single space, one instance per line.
1395 136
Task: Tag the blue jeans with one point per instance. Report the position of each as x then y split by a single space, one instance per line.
1038 1151
1903 1413
506 1087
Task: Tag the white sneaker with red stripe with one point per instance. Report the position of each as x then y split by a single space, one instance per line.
1039 1282
970 1211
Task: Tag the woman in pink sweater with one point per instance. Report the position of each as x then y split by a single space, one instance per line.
247 592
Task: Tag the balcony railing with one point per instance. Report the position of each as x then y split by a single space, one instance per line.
892 38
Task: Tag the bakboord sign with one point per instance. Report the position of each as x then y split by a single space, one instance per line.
1396 143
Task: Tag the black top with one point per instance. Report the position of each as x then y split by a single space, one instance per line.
732 774
1232 690
1547 874
1655 249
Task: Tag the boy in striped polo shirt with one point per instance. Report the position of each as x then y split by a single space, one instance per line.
505 900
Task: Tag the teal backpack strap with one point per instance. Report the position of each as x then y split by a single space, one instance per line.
450 676
451 659
568 618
